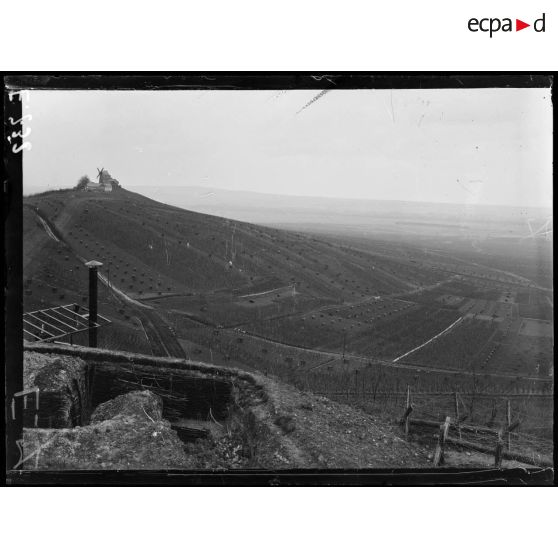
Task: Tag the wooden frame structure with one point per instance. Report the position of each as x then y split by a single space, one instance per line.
57 322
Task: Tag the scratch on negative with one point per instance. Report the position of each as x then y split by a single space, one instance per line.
314 99
327 77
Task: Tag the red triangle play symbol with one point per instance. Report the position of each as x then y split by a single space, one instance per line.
519 25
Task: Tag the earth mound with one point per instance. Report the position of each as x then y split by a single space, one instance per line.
121 436
136 404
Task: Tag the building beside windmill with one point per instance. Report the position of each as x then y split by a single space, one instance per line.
106 182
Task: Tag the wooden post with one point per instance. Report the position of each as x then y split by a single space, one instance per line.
498 450
456 406
405 420
508 415
439 453
92 306
500 443
408 410
36 420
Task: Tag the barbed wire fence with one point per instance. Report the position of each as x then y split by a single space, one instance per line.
520 425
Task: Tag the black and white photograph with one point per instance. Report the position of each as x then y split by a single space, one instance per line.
291 274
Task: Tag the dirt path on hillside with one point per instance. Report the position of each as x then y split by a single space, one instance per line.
163 333
47 229
433 338
121 294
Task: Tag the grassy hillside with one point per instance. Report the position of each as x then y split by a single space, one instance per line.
150 249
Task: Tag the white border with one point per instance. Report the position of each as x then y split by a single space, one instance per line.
277 522
291 35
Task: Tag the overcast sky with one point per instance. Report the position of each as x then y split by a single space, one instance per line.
490 146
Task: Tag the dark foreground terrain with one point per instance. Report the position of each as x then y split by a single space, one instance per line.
114 410
358 316
263 423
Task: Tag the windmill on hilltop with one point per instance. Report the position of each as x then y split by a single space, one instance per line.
106 182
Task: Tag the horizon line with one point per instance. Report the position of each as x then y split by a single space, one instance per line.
54 188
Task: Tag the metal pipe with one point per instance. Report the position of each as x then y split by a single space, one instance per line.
93 265
92 306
